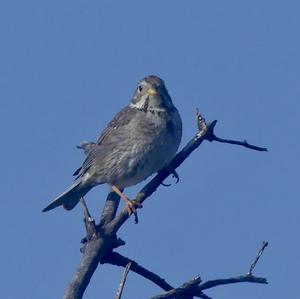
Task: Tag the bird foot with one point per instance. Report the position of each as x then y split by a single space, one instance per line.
175 175
132 206
172 170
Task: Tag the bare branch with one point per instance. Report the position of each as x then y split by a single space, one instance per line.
203 296
243 278
242 143
212 137
263 246
193 289
89 222
190 289
117 259
110 208
123 281
96 246
185 291
95 250
102 239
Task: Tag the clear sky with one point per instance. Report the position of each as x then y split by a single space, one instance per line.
66 67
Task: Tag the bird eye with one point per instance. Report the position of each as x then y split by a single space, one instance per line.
140 88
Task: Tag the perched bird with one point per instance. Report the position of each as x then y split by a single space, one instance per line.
140 140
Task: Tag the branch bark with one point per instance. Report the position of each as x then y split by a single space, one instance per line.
95 250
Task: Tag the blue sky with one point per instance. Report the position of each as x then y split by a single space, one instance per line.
68 66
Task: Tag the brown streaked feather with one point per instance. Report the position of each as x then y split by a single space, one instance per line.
121 119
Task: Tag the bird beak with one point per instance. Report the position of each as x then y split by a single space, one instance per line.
151 92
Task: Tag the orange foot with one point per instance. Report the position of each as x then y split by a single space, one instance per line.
131 205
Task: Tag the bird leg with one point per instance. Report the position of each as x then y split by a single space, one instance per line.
130 204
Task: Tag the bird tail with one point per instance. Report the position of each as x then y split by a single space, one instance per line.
70 197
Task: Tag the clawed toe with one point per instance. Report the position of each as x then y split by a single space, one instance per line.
175 175
132 206
172 170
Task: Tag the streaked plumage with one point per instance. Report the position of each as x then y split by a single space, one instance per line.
140 140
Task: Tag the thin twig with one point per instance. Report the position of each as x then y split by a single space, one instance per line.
242 143
123 281
210 136
86 212
242 278
89 222
260 252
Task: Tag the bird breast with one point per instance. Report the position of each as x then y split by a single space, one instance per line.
152 139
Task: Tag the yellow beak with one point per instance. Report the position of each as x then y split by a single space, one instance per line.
151 92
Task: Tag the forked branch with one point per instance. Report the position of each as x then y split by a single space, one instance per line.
195 288
210 136
101 239
190 289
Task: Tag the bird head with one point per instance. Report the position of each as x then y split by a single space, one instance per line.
151 95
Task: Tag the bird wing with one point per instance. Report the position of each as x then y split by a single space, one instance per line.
104 142
120 120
